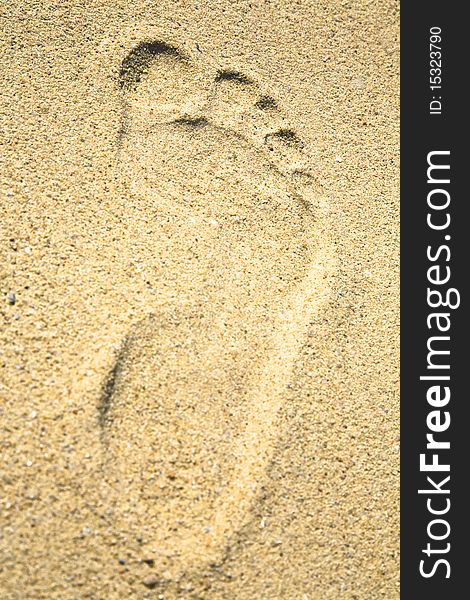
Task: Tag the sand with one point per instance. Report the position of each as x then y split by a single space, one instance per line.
199 343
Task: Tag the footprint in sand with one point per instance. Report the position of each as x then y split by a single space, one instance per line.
242 264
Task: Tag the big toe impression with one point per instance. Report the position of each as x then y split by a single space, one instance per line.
158 84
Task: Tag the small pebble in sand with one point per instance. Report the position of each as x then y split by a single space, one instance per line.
150 582
339 159
11 298
121 561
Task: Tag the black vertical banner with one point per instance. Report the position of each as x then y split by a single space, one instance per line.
435 268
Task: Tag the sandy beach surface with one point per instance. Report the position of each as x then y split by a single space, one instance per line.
199 244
